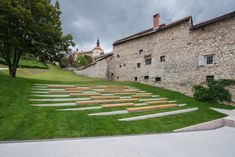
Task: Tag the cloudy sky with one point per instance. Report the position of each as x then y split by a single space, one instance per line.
114 19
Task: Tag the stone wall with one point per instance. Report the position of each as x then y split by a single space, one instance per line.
100 69
232 91
181 48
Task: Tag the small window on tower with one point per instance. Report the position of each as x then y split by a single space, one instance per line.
136 78
138 65
118 56
140 51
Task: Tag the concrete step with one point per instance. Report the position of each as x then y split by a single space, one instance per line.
109 113
105 101
81 109
84 94
158 114
61 86
157 102
149 108
59 100
57 91
104 97
124 93
117 105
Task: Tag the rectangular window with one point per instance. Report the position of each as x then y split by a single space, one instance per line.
209 59
206 59
158 79
163 58
136 78
148 61
146 77
138 65
209 78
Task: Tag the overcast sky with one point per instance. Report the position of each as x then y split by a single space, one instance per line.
114 19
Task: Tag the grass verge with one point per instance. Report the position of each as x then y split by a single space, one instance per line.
20 121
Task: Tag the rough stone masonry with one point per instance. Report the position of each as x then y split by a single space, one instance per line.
178 55
175 56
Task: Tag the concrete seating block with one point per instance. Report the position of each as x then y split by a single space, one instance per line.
105 101
149 108
124 93
57 91
61 86
104 97
117 105
141 96
84 94
157 102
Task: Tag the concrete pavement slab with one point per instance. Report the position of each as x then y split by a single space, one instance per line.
213 143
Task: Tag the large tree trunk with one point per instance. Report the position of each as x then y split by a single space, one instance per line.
16 58
12 63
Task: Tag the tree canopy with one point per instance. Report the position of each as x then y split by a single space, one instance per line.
31 27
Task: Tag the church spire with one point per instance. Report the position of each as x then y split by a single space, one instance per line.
98 42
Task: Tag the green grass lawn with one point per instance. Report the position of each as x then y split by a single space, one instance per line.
26 63
20 121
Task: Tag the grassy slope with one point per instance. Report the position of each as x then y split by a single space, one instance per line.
19 120
25 63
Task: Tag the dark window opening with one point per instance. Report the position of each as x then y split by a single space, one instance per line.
136 78
140 51
120 65
117 77
124 64
148 61
118 56
146 77
209 59
163 58
209 78
158 79
138 65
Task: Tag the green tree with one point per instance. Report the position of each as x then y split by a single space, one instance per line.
31 26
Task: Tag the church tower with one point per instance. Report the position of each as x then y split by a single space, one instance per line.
97 51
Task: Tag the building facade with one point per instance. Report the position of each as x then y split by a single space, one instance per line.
94 53
100 68
178 55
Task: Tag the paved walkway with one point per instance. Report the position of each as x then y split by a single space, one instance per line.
213 143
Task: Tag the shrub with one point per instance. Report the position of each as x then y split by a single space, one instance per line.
214 91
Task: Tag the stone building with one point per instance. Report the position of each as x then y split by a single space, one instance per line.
178 55
94 53
100 68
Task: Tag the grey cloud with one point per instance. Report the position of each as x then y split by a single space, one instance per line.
112 20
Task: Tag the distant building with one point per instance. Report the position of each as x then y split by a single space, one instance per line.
94 53
175 56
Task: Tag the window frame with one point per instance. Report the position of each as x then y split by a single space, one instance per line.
209 59
148 59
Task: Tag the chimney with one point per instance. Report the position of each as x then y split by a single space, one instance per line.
156 21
